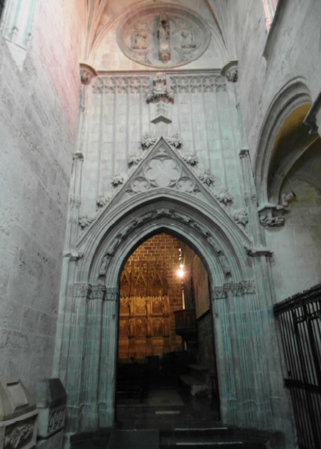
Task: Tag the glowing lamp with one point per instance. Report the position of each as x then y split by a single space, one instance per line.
180 273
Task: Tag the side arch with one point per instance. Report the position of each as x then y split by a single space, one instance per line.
292 95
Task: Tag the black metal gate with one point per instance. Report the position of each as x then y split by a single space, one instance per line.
299 319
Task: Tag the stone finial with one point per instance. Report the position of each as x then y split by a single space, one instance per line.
87 73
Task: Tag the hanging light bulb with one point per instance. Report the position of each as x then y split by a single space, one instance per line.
180 273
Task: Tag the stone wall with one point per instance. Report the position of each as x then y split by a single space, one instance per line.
204 116
296 246
294 52
38 120
160 253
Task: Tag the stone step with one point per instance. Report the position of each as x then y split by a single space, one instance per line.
217 437
193 385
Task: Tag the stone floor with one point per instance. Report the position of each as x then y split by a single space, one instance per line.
193 412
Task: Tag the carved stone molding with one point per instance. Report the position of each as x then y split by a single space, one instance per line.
98 292
56 420
230 71
162 170
163 35
192 83
121 84
82 290
236 289
241 217
154 215
18 436
87 73
220 84
224 196
257 252
112 294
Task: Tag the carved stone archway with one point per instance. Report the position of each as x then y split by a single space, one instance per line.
181 204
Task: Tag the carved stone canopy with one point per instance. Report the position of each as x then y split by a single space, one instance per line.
163 35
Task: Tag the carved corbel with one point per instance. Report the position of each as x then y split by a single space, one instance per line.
73 256
230 71
271 215
258 252
87 73
244 152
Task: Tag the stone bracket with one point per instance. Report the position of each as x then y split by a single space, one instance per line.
258 252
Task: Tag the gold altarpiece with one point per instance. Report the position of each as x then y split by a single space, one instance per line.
144 327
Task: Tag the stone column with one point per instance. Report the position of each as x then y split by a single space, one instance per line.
71 362
108 360
92 355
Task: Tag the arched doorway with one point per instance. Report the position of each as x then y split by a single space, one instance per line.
166 369
240 295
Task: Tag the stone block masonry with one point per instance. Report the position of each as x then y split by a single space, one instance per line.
38 124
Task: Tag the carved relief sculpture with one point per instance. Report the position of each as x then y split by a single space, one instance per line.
163 34
175 141
207 178
139 37
147 141
188 39
241 217
157 36
224 196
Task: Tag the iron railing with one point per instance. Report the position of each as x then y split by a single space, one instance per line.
299 319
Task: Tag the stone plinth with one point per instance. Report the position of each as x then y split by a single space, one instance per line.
18 416
51 400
